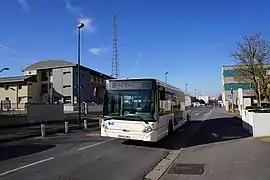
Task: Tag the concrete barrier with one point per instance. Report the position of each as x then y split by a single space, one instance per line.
90 108
95 108
45 112
261 124
247 120
256 122
36 113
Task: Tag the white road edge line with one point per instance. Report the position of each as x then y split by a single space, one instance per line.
208 114
28 165
92 145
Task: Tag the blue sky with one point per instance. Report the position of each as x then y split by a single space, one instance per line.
189 39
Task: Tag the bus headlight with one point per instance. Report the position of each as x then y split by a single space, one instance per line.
104 126
147 129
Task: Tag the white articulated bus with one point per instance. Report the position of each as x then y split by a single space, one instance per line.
143 109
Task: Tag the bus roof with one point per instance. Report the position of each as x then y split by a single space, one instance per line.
166 85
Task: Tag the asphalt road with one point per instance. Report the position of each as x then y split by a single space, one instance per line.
84 155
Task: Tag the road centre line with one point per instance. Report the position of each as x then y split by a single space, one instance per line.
208 114
25 166
96 144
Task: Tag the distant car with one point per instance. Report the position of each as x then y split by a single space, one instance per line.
265 105
196 104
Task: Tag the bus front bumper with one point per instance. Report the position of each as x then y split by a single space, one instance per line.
149 137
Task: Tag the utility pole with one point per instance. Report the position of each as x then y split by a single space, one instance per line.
79 27
115 61
232 100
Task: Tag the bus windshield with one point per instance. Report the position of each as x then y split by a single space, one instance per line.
129 104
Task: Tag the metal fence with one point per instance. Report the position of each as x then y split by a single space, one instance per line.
39 113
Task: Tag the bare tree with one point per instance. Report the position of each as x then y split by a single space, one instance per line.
252 58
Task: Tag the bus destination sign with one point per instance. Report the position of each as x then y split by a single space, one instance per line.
130 85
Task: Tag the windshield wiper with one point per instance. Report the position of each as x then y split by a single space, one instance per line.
136 116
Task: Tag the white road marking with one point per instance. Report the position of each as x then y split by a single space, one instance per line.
28 165
197 114
215 135
208 114
96 144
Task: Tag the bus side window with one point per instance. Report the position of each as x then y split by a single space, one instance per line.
161 101
162 95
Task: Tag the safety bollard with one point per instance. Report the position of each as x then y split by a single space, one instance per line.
66 127
85 124
42 127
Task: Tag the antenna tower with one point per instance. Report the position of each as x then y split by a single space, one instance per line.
115 62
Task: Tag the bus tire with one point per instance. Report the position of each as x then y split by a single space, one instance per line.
170 128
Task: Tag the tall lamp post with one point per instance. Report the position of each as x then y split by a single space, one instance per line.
79 27
186 87
4 69
195 93
166 73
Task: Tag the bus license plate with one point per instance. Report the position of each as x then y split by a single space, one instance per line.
123 137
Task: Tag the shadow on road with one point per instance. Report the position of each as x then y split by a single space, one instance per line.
198 133
218 130
14 151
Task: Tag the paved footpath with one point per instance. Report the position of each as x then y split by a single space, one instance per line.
221 150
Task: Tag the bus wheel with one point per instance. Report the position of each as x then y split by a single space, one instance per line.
170 128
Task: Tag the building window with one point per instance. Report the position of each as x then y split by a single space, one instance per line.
20 86
95 79
29 97
44 76
67 100
44 88
20 99
29 84
50 72
67 72
6 87
66 86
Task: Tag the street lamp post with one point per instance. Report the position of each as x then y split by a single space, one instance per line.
4 69
195 93
79 27
166 73
186 87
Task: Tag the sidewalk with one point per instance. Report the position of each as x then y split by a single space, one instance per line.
221 150
10 134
